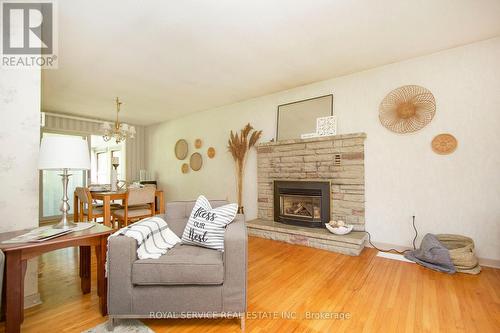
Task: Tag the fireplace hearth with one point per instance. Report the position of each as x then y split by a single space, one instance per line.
304 203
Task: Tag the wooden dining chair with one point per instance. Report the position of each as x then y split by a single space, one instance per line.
87 208
139 203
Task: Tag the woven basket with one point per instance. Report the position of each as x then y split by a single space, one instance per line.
462 254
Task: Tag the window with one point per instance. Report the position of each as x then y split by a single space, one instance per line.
103 175
102 154
52 190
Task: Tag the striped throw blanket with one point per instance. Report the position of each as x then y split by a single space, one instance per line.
153 236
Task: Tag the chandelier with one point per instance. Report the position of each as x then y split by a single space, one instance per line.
117 131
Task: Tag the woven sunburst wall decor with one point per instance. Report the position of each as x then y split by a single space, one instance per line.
407 109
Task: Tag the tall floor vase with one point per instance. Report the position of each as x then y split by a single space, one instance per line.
239 186
114 179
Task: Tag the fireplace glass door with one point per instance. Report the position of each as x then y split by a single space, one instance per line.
300 206
304 203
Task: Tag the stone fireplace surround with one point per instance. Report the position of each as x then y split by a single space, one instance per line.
337 159
314 159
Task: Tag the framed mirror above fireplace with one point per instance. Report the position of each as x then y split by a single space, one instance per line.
304 203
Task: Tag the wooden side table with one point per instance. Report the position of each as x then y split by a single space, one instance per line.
16 256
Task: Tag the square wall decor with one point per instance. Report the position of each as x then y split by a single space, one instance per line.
297 118
326 126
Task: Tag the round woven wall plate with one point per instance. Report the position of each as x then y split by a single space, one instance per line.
444 144
181 149
407 109
198 143
196 161
211 152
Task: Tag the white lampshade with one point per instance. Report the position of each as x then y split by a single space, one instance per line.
63 152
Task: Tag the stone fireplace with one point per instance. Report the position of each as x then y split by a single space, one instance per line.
332 165
337 159
304 203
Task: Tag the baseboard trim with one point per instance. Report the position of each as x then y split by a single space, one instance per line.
394 256
387 246
489 262
32 300
486 262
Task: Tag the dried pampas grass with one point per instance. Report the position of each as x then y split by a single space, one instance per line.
238 145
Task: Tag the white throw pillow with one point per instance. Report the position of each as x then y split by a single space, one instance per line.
206 225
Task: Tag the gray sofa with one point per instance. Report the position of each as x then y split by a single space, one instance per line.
188 281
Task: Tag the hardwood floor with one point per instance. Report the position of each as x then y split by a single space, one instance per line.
377 295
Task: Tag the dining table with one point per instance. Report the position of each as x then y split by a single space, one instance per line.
107 197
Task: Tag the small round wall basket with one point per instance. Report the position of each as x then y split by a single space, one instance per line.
181 149
196 161
198 143
407 109
444 144
211 152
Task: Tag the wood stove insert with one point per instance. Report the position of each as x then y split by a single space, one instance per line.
304 203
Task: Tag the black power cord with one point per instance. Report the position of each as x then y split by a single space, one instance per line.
394 250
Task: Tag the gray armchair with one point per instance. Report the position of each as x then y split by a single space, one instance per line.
187 281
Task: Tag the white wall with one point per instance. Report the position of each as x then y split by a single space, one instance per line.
459 193
19 142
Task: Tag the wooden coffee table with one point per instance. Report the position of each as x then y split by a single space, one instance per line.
16 256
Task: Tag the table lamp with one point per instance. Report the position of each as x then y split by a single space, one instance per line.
64 153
